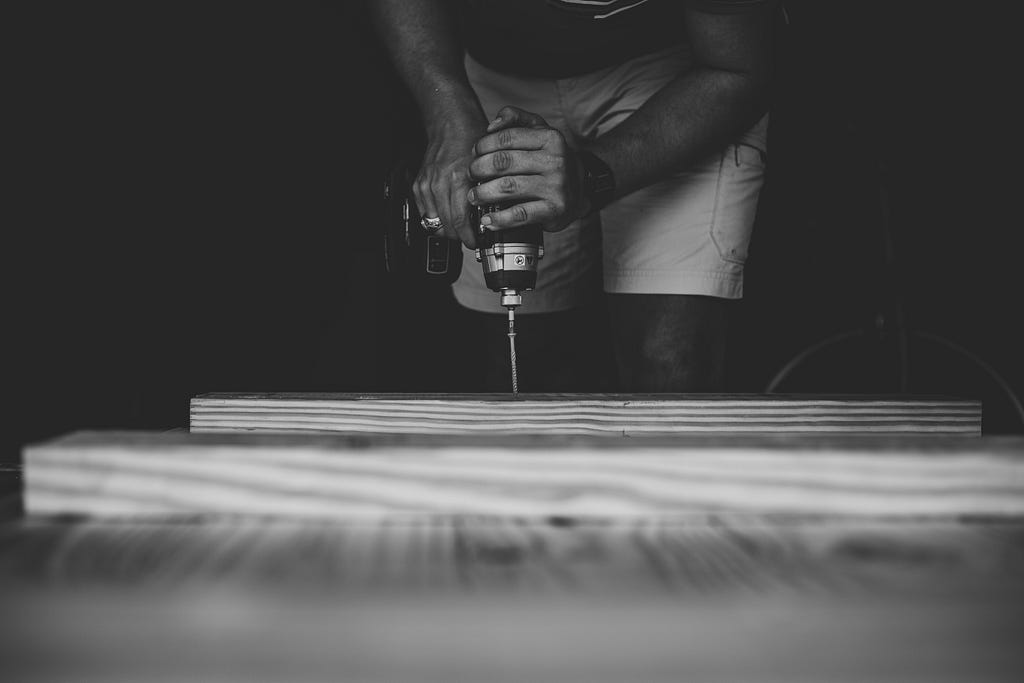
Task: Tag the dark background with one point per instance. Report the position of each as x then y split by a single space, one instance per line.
201 210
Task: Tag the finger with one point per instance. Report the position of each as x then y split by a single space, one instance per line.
509 189
441 191
514 116
520 138
423 193
513 162
540 212
460 210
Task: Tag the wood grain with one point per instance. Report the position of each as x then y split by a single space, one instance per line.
608 414
369 476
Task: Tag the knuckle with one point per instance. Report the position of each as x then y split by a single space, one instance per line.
520 214
509 184
505 137
502 160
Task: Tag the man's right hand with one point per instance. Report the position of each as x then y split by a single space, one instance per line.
442 184
422 38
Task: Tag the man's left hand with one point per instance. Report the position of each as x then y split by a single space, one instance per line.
526 167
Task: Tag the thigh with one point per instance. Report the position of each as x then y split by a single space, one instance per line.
688 233
669 343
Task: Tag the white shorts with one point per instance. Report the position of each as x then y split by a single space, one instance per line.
686 234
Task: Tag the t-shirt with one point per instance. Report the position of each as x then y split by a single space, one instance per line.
561 38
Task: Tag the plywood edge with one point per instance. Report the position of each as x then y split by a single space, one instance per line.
582 397
1003 445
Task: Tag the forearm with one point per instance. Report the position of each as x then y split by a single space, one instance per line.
422 40
693 115
702 110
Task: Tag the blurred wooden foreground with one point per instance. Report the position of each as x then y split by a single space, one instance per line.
356 476
495 600
389 558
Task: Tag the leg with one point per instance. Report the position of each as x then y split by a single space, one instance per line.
669 343
674 251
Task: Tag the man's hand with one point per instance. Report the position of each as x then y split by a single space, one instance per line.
443 182
422 39
525 166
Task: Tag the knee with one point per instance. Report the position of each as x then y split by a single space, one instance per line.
669 343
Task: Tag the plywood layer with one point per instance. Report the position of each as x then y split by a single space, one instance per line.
374 476
609 415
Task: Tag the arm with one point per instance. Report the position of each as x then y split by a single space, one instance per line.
422 41
705 108
700 111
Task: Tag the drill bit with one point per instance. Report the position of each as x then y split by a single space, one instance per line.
512 348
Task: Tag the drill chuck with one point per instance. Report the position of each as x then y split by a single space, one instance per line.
510 298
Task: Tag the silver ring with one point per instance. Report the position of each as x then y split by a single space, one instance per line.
431 225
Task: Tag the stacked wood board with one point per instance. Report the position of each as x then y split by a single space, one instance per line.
584 414
395 476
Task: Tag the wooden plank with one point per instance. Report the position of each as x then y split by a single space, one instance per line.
602 414
367 476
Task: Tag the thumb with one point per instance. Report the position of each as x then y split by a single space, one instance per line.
510 117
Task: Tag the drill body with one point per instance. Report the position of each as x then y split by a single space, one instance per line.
509 259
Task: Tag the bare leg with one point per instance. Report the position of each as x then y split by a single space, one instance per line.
668 343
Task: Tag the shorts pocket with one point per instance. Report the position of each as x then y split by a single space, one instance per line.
740 178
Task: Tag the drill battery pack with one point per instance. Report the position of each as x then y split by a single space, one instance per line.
410 253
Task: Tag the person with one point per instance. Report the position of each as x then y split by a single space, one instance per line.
634 132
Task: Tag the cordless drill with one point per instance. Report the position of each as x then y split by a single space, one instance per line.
510 259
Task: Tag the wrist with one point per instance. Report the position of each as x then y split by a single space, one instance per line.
598 181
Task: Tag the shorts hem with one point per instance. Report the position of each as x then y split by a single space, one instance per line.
716 284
